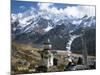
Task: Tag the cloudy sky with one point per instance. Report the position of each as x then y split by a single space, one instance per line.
74 10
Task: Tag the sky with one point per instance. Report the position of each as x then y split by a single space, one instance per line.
74 10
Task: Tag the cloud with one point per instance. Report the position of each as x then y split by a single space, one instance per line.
20 15
22 7
80 11
89 10
44 6
70 11
49 7
32 10
54 10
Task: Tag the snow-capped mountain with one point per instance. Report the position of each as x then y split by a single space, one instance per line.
36 27
45 21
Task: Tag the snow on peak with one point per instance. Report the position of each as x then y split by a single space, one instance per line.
48 28
13 17
26 19
77 22
31 19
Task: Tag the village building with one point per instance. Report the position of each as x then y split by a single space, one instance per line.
50 57
47 55
54 57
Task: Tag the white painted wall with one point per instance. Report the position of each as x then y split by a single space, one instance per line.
72 38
